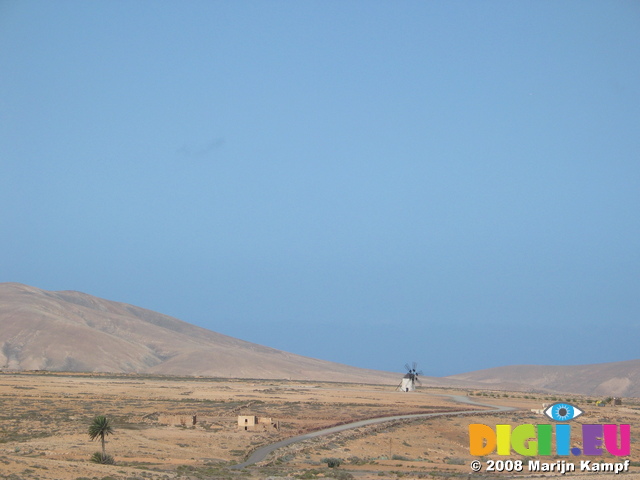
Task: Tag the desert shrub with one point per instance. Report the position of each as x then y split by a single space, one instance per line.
400 457
284 459
332 462
342 475
454 461
309 474
105 459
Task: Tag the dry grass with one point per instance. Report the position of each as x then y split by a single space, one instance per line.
44 419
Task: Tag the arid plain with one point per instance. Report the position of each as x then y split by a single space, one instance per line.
45 417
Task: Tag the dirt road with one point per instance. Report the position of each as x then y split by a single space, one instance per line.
262 452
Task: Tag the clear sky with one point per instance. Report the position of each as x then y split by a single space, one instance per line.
455 183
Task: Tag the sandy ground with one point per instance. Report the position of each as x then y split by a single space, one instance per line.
44 420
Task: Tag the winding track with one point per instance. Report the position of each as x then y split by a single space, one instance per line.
262 452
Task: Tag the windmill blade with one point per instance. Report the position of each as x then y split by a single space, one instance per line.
406 365
415 364
419 372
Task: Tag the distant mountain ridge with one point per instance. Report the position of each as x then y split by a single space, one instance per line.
616 379
74 331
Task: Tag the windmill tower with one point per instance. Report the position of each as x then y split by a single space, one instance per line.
408 383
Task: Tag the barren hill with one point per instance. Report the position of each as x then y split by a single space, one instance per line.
73 331
619 379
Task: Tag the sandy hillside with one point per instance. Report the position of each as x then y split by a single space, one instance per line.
77 332
73 331
617 379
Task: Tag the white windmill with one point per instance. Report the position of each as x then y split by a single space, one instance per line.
408 383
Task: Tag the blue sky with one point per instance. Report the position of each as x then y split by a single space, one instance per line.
372 183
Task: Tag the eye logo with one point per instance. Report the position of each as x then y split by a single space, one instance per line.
562 412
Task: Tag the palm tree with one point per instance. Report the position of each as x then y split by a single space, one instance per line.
99 428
